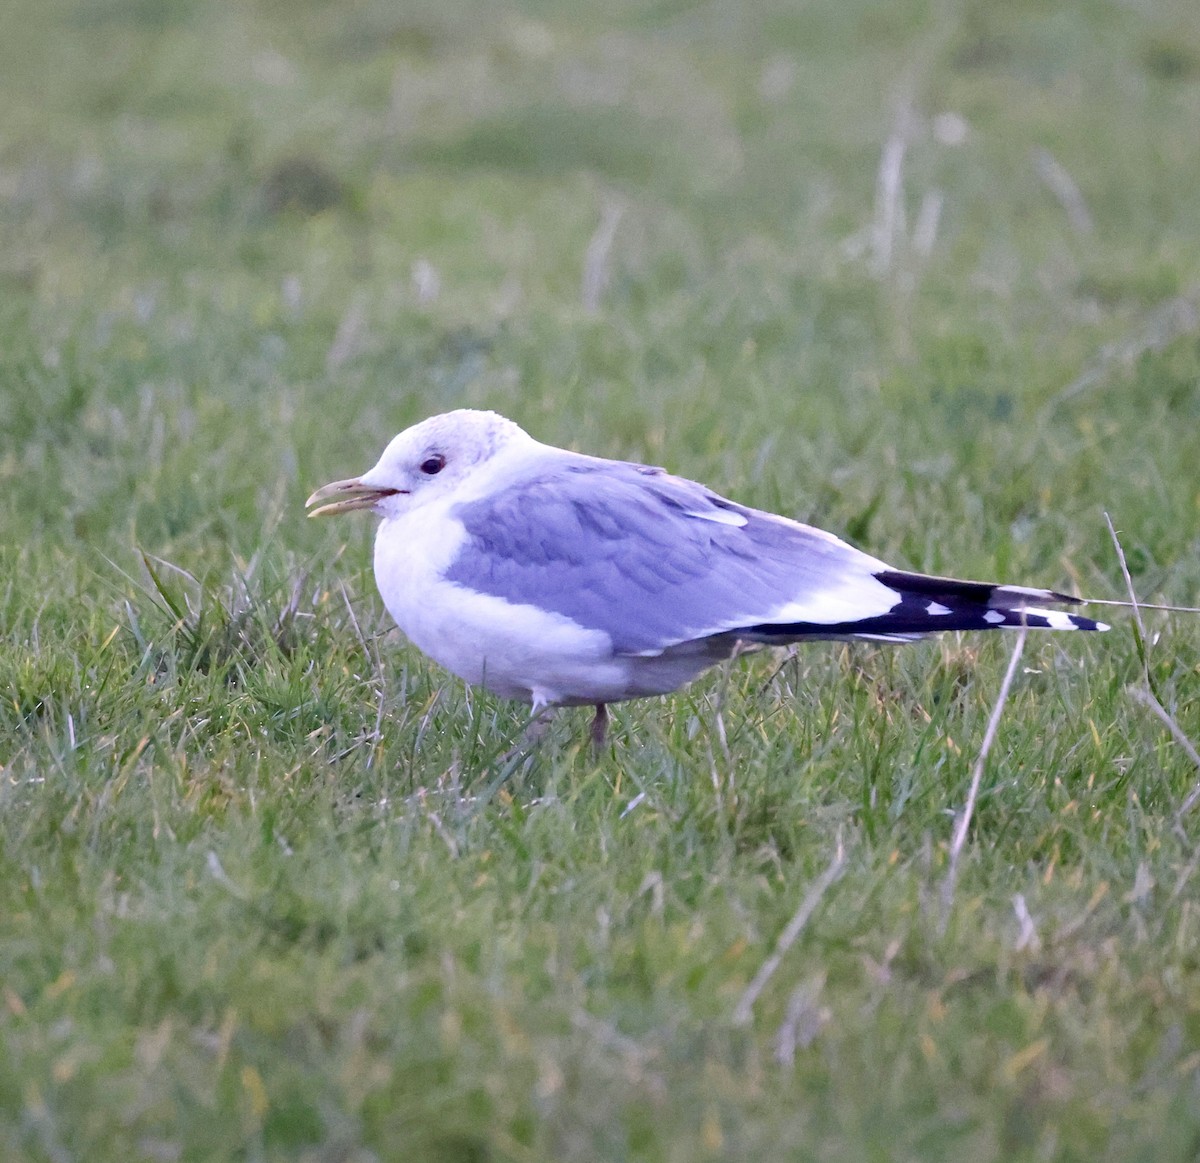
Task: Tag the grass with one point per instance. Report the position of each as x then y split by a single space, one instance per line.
262 894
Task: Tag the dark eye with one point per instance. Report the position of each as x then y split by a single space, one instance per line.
433 464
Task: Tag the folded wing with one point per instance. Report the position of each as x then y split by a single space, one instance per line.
655 560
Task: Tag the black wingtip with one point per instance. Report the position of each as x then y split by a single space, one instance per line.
982 593
931 605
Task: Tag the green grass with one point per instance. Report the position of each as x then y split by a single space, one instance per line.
262 892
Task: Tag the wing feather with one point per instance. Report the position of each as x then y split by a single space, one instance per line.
654 560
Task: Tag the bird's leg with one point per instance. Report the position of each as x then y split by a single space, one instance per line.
530 737
538 725
599 731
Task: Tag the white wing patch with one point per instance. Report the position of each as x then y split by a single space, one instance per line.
720 517
853 599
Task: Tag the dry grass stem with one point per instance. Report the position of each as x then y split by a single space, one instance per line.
1134 604
1164 323
1147 698
743 1011
1145 693
351 335
1141 605
597 260
963 822
803 1021
929 218
1063 187
889 224
371 652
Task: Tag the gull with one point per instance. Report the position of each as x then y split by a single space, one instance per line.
561 579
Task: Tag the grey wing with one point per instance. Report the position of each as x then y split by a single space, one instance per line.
654 560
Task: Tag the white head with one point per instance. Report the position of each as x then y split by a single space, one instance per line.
425 461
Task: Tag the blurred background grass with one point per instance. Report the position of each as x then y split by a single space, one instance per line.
253 906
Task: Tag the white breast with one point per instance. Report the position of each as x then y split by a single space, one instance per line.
517 650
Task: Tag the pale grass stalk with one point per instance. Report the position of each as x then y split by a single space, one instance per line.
442 831
1141 605
1144 694
376 737
1027 938
803 1021
1165 322
744 1010
1063 187
889 226
218 873
928 218
1134 604
350 338
963 823
597 272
